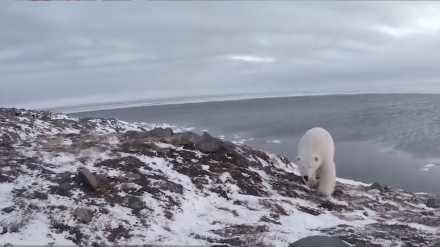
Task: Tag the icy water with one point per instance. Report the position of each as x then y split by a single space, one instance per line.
389 138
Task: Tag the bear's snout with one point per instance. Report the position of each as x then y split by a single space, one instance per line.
306 178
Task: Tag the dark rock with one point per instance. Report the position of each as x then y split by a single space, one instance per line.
268 170
436 244
265 218
134 202
63 190
59 123
330 206
84 131
104 211
161 132
365 213
8 209
101 178
338 192
14 136
164 151
156 132
428 213
126 164
199 182
235 213
207 143
133 176
88 179
319 241
10 113
132 134
379 187
236 202
433 203
202 180
185 138
103 182
312 211
85 215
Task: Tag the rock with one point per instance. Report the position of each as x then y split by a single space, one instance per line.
59 123
8 209
319 241
88 179
268 170
433 203
10 137
161 132
104 211
201 180
436 244
134 202
132 134
10 113
85 215
164 151
14 136
379 187
365 213
103 182
209 144
185 138
156 132
63 190
338 192
84 131
308 210
133 176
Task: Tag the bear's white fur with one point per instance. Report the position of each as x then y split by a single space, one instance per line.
316 151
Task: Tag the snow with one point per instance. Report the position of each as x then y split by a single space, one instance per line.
239 142
35 233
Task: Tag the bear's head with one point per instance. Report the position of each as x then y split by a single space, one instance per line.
308 164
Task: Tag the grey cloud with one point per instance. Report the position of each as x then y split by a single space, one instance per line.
62 52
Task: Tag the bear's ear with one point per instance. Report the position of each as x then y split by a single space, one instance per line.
316 159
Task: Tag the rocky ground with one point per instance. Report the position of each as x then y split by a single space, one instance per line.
91 182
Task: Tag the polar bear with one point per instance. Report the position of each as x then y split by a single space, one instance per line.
316 151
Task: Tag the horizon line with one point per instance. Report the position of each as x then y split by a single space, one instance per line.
226 98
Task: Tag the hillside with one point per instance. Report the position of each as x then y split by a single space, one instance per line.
90 182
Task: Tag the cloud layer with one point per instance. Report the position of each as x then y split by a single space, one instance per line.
52 52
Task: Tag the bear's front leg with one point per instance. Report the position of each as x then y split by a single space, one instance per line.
327 182
312 182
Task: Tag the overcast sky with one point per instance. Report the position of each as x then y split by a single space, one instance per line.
57 53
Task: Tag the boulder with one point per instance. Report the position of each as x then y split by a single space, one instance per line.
84 215
319 241
379 187
88 179
433 203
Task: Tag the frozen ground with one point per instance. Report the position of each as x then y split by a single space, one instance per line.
150 185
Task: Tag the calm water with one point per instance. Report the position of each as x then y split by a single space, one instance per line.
387 138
